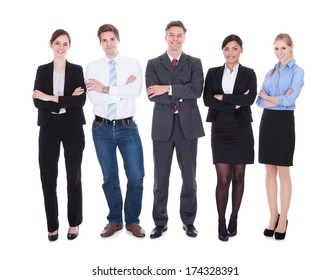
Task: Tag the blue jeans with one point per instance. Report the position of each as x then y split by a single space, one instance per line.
106 140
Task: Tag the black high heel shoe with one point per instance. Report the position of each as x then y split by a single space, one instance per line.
281 235
270 232
72 236
53 237
223 234
232 228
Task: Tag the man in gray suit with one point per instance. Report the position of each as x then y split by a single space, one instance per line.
174 82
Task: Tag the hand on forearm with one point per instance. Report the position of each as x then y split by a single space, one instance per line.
271 99
94 85
131 79
78 91
156 90
218 96
37 94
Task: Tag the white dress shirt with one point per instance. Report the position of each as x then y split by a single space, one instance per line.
229 79
122 94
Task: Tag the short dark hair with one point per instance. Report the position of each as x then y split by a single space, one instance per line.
57 33
231 38
108 28
176 23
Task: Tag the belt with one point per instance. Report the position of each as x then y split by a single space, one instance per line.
114 122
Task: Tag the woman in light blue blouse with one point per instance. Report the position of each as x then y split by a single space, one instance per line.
281 87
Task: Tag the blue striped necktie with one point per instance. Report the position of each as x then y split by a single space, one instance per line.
112 82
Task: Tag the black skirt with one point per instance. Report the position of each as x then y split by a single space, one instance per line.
277 137
232 140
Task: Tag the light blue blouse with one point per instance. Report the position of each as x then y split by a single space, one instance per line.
280 82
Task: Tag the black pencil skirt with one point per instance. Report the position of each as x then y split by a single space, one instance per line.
277 137
232 140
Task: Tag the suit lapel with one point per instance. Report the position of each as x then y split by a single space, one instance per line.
165 61
68 78
183 60
238 79
49 75
220 77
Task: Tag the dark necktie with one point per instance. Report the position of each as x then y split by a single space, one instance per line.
174 64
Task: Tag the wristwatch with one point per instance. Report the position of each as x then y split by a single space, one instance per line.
104 89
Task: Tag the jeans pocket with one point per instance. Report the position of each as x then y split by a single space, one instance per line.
96 125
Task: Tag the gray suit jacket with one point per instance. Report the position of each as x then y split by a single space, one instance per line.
187 85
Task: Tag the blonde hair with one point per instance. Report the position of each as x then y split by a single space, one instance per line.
288 40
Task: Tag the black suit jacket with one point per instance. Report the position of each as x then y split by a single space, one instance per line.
187 85
245 80
74 77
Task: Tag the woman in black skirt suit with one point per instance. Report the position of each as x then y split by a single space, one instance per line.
281 87
229 92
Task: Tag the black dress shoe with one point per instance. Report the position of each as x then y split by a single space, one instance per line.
157 231
53 237
270 232
72 236
281 235
191 231
223 238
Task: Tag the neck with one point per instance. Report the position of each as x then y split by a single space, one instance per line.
230 66
175 54
112 56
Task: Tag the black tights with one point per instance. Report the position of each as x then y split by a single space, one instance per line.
225 174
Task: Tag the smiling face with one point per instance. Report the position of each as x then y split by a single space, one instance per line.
60 46
175 37
109 43
231 52
283 51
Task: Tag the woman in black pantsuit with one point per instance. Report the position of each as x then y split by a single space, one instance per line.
60 94
229 92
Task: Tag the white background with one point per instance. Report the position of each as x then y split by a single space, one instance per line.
25 250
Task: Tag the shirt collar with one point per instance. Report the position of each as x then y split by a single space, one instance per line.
289 64
171 58
235 68
116 58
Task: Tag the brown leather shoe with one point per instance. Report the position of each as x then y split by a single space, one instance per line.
110 229
136 230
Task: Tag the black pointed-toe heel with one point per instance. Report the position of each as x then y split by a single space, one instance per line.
223 233
232 228
270 232
72 236
53 237
281 235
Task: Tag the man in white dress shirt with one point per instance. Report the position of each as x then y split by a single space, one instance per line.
113 83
